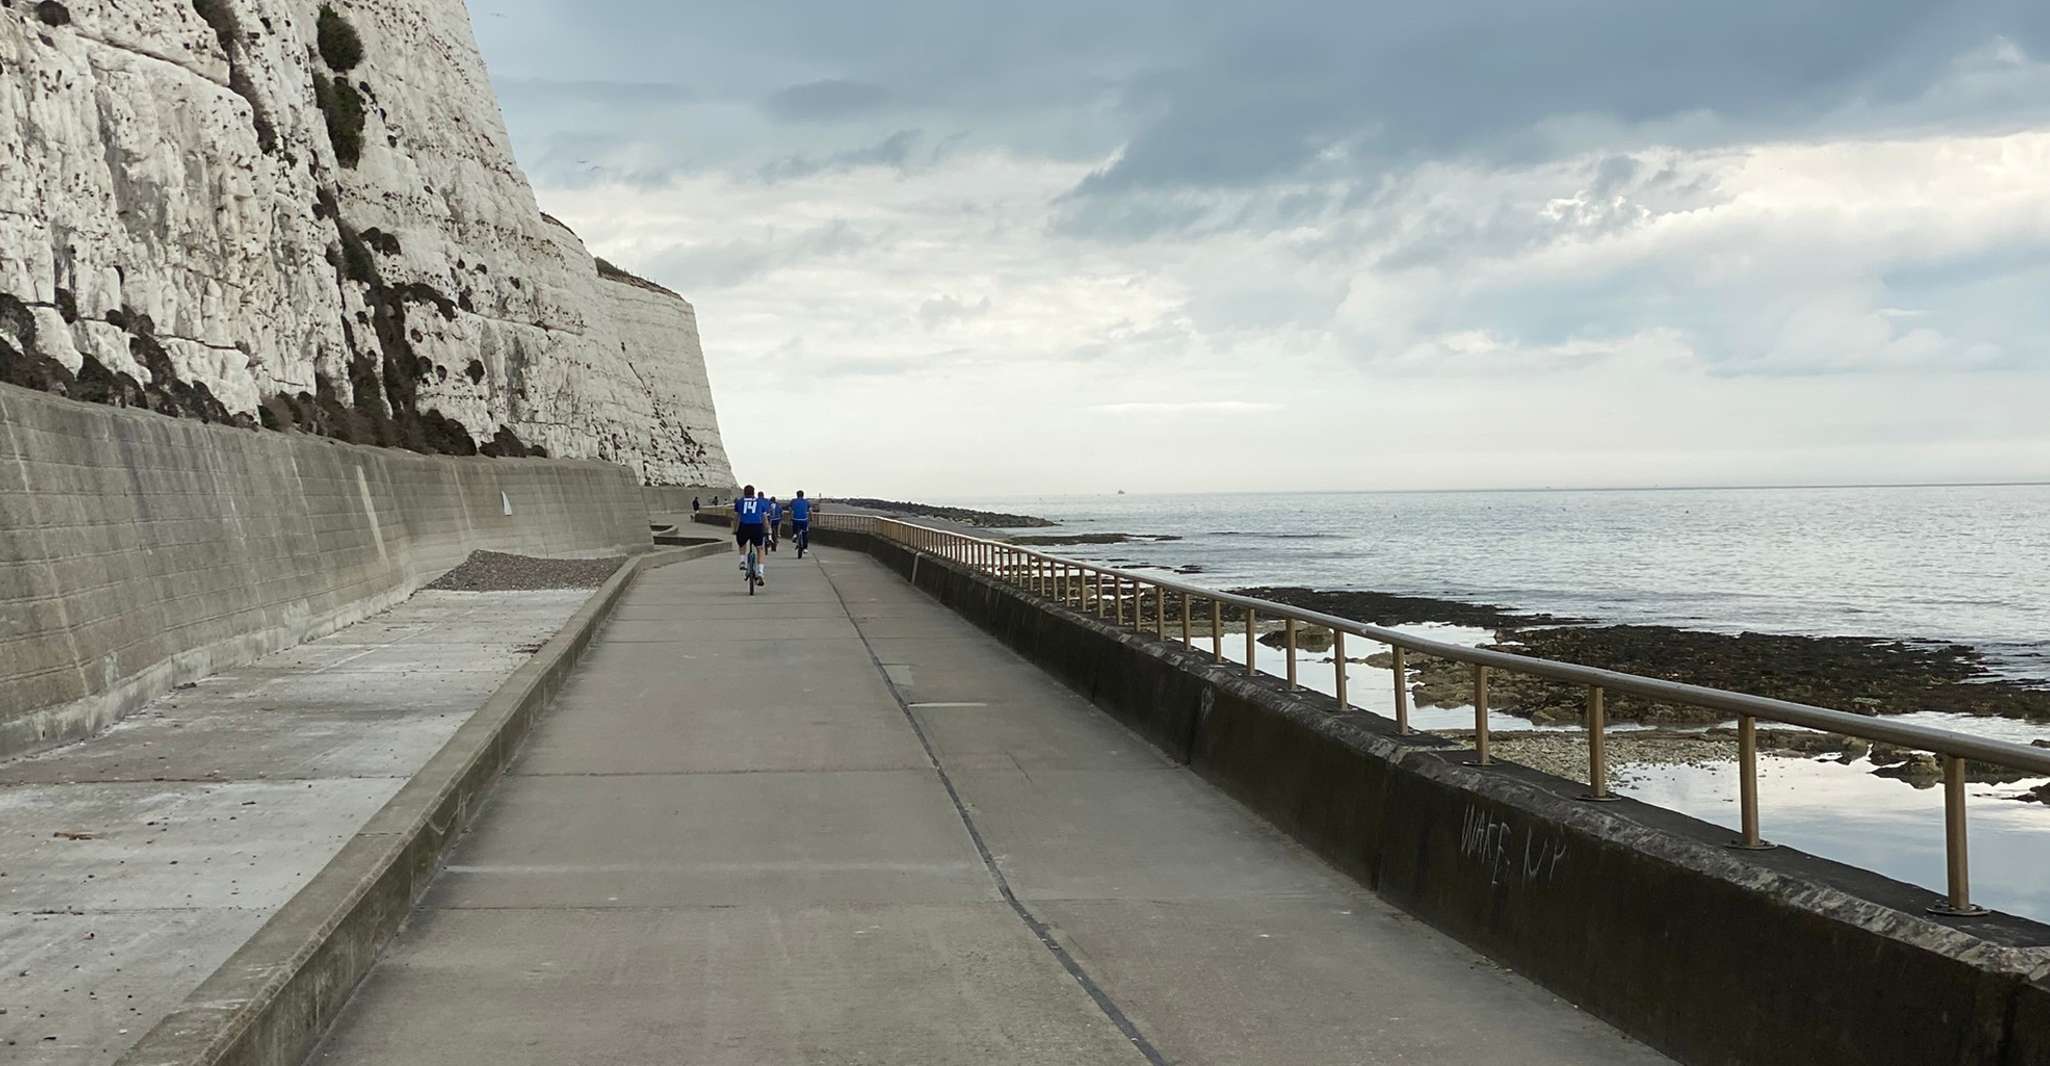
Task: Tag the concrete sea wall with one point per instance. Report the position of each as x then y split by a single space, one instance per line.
673 501
138 552
1639 915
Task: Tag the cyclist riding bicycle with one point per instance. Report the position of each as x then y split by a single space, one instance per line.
751 527
800 521
775 522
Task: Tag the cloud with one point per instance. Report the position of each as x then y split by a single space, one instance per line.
1184 407
944 310
894 151
1584 233
527 92
827 100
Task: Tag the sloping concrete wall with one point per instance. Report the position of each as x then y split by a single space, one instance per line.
1638 915
139 552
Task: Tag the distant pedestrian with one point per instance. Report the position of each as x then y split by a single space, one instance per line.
693 505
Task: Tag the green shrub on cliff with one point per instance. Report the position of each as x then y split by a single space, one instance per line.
340 46
342 105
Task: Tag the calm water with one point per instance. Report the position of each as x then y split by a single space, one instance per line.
1963 564
1969 563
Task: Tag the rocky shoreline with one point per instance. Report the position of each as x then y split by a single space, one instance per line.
966 516
1049 540
1564 754
1859 675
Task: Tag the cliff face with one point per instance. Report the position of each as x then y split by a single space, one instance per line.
289 214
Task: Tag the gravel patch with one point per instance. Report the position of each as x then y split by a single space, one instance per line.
499 572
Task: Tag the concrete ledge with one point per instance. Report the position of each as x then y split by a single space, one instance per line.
1637 914
275 997
139 552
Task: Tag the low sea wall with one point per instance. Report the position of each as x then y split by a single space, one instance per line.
139 552
1639 915
673 500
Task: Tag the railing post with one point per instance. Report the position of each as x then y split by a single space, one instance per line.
1480 716
1289 627
1216 631
1160 611
1187 642
1252 632
1338 663
1138 605
1955 844
1401 691
1747 785
1597 748
1117 594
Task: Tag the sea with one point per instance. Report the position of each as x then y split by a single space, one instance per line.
1956 564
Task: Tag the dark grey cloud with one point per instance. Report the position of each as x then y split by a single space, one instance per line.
827 100
1237 94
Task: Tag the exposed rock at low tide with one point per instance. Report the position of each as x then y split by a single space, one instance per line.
1860 675
1045 540
1563 753
1388 609
964 515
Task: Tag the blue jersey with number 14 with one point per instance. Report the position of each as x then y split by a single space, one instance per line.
753 510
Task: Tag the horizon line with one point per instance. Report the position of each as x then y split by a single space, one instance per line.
1553 488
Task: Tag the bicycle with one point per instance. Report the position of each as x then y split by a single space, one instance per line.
802 539
753 569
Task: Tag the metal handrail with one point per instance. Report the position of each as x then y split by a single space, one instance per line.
1074 582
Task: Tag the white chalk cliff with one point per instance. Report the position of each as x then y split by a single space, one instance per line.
244 211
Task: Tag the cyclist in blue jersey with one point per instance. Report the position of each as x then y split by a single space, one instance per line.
751 526
800 522
775 522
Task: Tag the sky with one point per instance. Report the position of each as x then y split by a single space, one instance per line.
944 249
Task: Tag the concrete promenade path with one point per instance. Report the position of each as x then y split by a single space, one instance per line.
836 823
